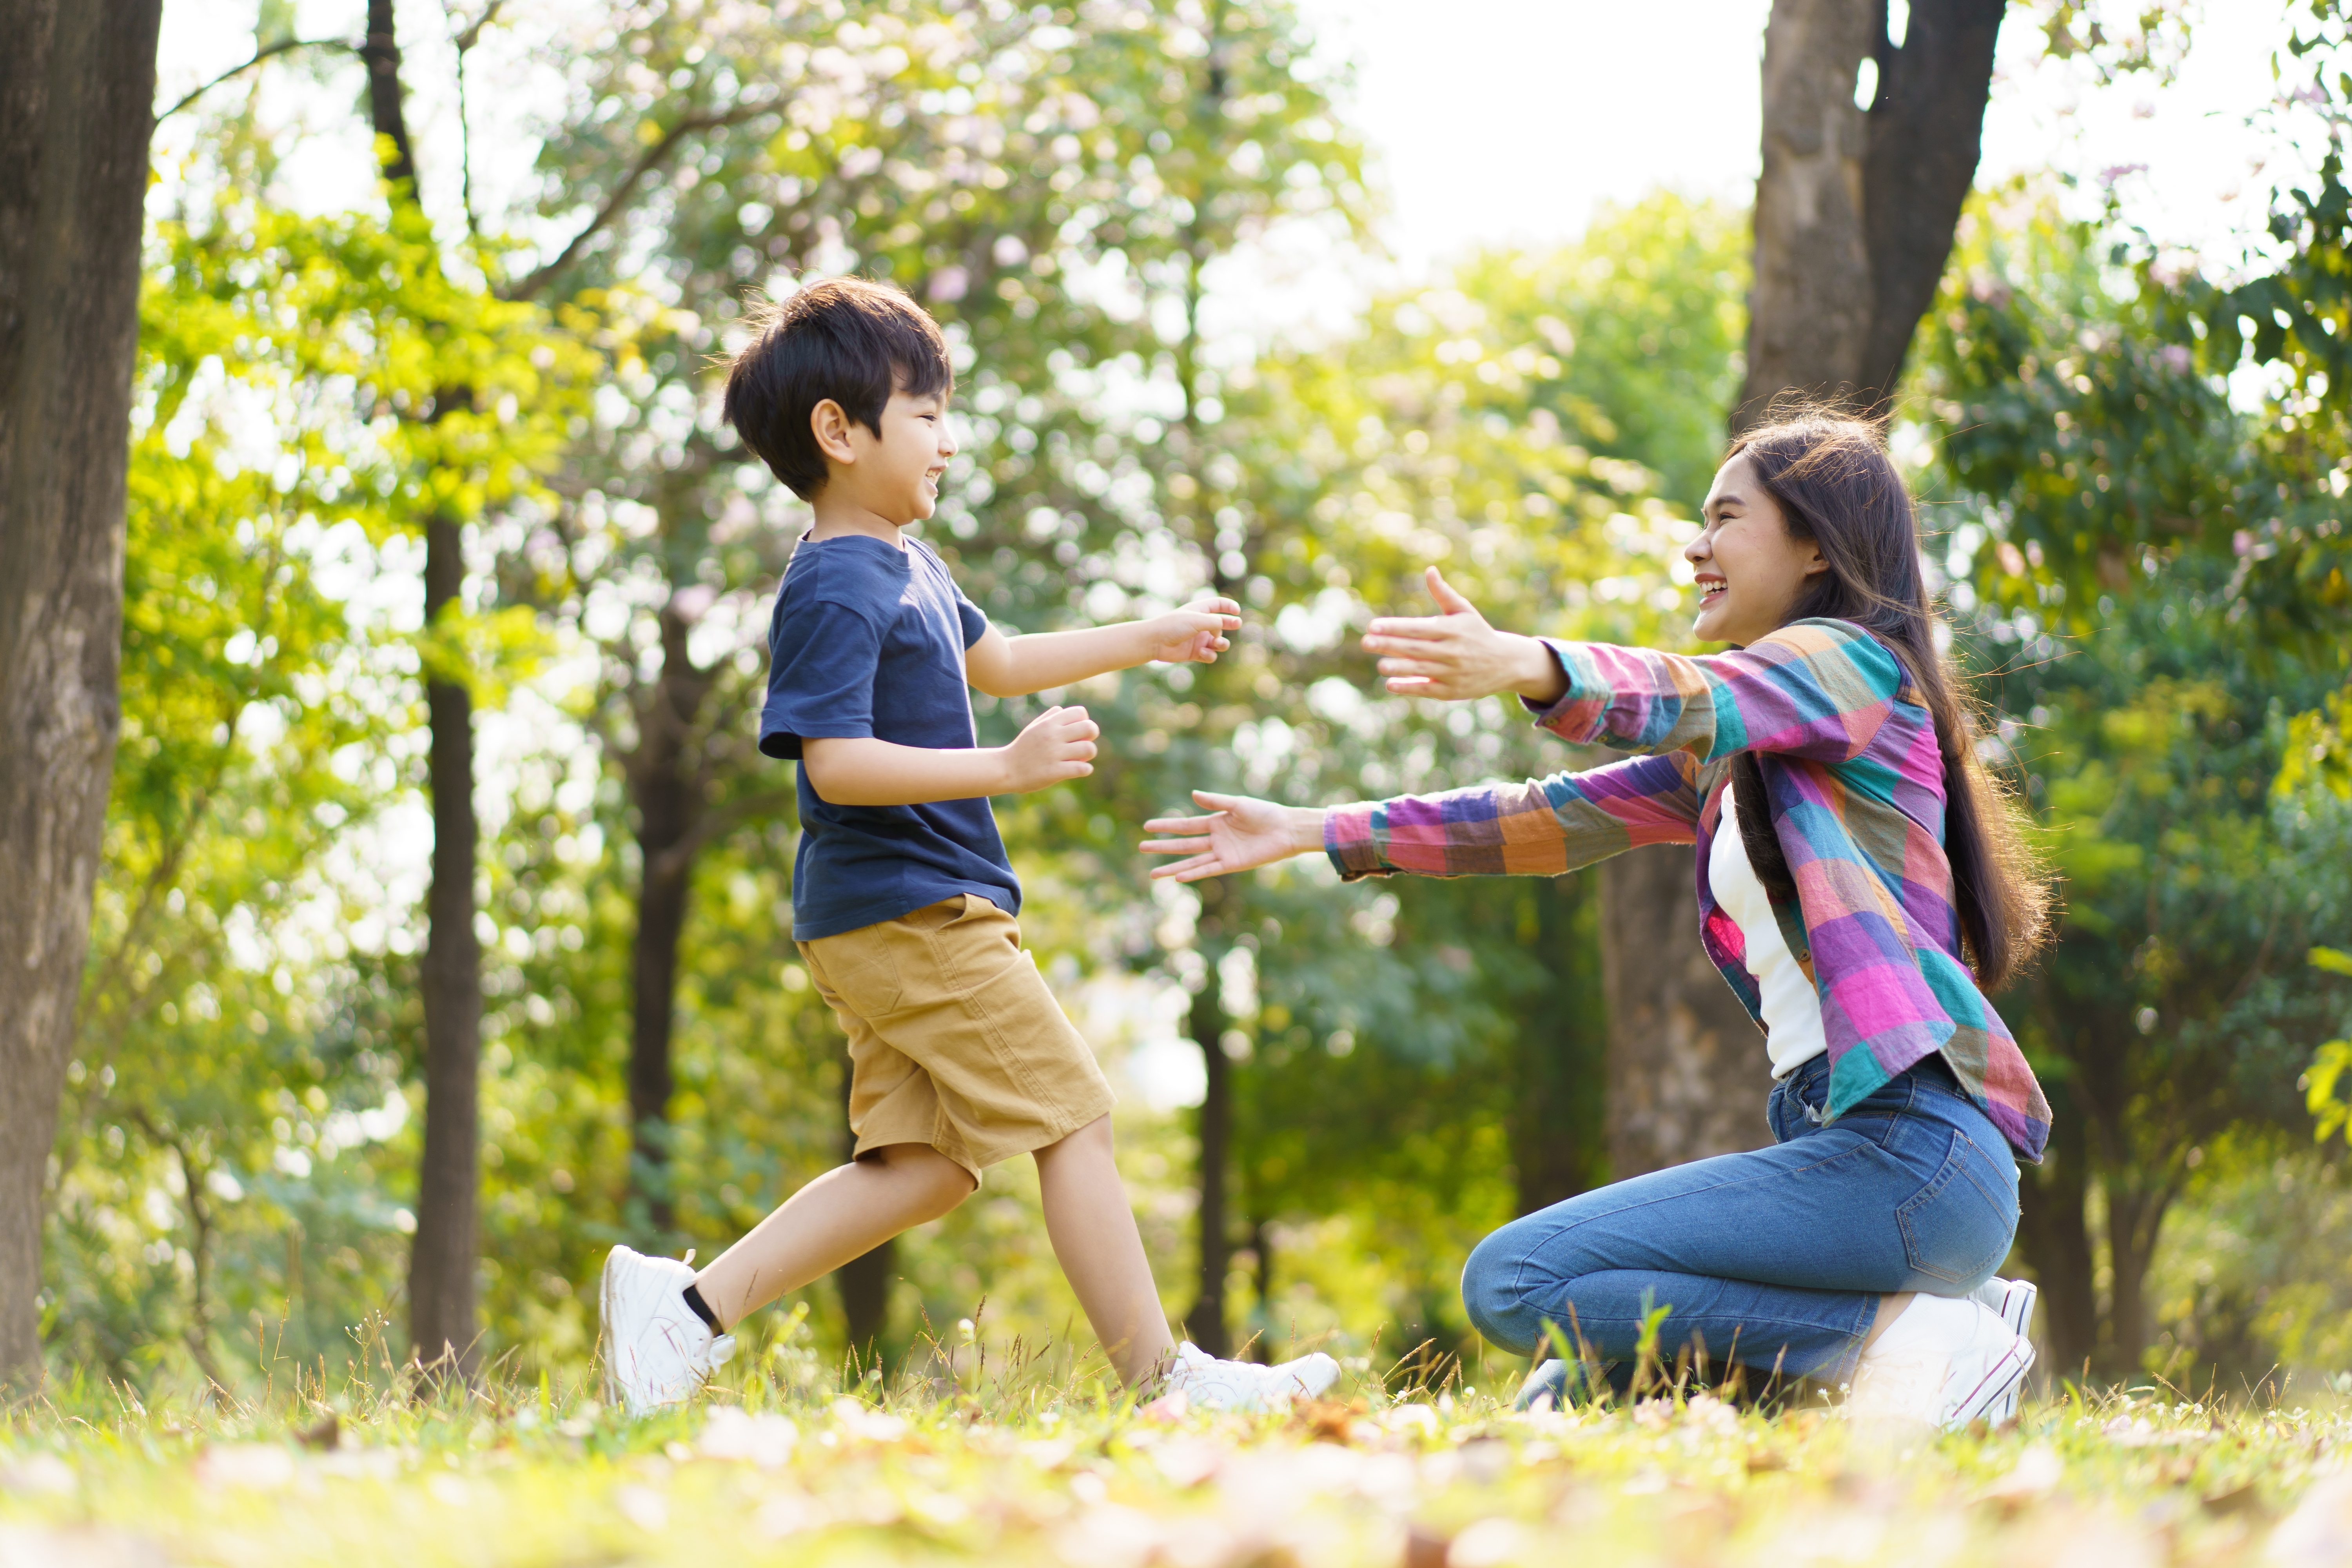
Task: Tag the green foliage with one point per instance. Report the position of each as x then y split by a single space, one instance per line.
2133 554
240 1082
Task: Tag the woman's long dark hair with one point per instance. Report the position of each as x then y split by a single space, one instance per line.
1841 492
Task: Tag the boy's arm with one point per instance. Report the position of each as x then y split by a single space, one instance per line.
1059 745
1014 667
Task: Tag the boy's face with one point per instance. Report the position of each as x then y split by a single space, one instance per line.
895 475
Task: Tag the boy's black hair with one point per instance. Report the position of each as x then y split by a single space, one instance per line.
849 339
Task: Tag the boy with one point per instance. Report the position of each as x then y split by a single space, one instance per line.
903 901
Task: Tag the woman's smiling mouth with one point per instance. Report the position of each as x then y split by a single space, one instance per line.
1710 589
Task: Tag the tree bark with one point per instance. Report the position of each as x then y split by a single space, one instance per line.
1854 213
1927 129
387 111
2057 1241
1556 1122
1206 1321
1855 208
1809 309
666 778
864 1281
76 108
1687 1071
441 1263
441 1286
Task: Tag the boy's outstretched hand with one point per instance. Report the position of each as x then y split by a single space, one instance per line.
1242 833
1455 655
1193 635
1058 744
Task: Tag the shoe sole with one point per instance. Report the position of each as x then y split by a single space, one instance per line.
2017 1305
1312 1373
613 1307
2000 1382
608 1341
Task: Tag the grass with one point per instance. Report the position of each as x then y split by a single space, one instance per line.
1034 1459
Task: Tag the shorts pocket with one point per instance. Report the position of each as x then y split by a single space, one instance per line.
859 967
1955 1229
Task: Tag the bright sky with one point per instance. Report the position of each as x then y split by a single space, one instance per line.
1508 123
1515 119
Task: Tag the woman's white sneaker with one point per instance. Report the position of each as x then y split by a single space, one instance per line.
2013 1300
657 1352
1945 1362
1214 1385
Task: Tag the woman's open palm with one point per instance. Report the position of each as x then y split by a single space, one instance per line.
1241 834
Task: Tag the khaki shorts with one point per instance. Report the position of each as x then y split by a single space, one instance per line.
954 1040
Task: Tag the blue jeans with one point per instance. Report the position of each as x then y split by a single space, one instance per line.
1774 1259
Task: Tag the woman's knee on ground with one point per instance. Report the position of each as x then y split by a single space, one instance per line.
1494 1294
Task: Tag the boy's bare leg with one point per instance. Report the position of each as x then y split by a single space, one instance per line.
1094 1236
844 1213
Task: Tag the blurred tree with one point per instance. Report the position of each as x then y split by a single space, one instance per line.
1493 422
1870 147
1025 173
2144 651
77 107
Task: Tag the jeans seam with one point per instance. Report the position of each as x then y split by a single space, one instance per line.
1520 1266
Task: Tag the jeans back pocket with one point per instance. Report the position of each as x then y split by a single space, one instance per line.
1957 1228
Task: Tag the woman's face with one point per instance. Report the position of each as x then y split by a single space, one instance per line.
1750 567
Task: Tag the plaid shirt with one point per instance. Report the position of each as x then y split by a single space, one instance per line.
1856 788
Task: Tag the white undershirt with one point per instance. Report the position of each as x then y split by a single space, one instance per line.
1792 1009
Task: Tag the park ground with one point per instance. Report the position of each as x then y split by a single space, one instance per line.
976 1464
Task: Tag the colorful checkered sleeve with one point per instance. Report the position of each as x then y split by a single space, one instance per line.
1818 690
1540 829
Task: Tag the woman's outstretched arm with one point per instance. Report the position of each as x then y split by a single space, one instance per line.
1813 688
1539 828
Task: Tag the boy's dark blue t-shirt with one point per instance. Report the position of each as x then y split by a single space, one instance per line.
869 639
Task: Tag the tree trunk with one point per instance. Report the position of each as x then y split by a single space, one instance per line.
387 111
1206 1321
1809 309
441 1326
2057 1241
441 1264
77 107
864 1281
2135 1221
1927 129
1855 208
1854 215
1687 1071
1556 1124
667 780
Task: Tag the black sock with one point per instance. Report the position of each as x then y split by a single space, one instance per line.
701 1308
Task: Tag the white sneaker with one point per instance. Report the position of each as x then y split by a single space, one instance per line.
1216 1384
2013 1300
657 1350
1946 1372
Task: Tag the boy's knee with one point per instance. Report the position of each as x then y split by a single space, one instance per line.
1093 1139
950 1184
941 1184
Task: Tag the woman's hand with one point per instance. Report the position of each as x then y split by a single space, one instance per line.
1456 655
1241 834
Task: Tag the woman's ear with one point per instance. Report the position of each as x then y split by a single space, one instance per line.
829 422
1815 563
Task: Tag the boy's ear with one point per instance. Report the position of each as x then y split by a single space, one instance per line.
829 422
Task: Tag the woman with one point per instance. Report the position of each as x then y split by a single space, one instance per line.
1862 887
